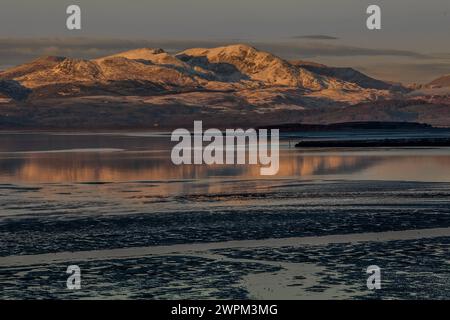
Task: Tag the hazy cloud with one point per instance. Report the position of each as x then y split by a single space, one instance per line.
315 37
314 49
21 49
407 72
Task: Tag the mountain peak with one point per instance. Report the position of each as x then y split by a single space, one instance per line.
140 54
49 59
245 62
238 48
152 55
231 49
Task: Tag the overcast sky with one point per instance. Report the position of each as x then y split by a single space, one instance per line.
413 44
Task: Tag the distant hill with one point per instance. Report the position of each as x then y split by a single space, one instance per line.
345 74
440 82
350 126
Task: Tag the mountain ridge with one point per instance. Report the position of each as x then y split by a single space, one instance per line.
223 68
236 84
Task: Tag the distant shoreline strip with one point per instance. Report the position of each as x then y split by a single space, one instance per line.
373 143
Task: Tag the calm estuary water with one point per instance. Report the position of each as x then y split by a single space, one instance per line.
66 158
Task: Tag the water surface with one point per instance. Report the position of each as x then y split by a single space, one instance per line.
140 227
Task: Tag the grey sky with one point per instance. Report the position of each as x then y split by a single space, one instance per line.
418 26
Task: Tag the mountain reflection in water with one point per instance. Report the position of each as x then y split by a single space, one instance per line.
59 158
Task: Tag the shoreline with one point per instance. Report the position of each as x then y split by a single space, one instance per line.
393 142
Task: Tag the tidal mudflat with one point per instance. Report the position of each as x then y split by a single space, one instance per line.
140 227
